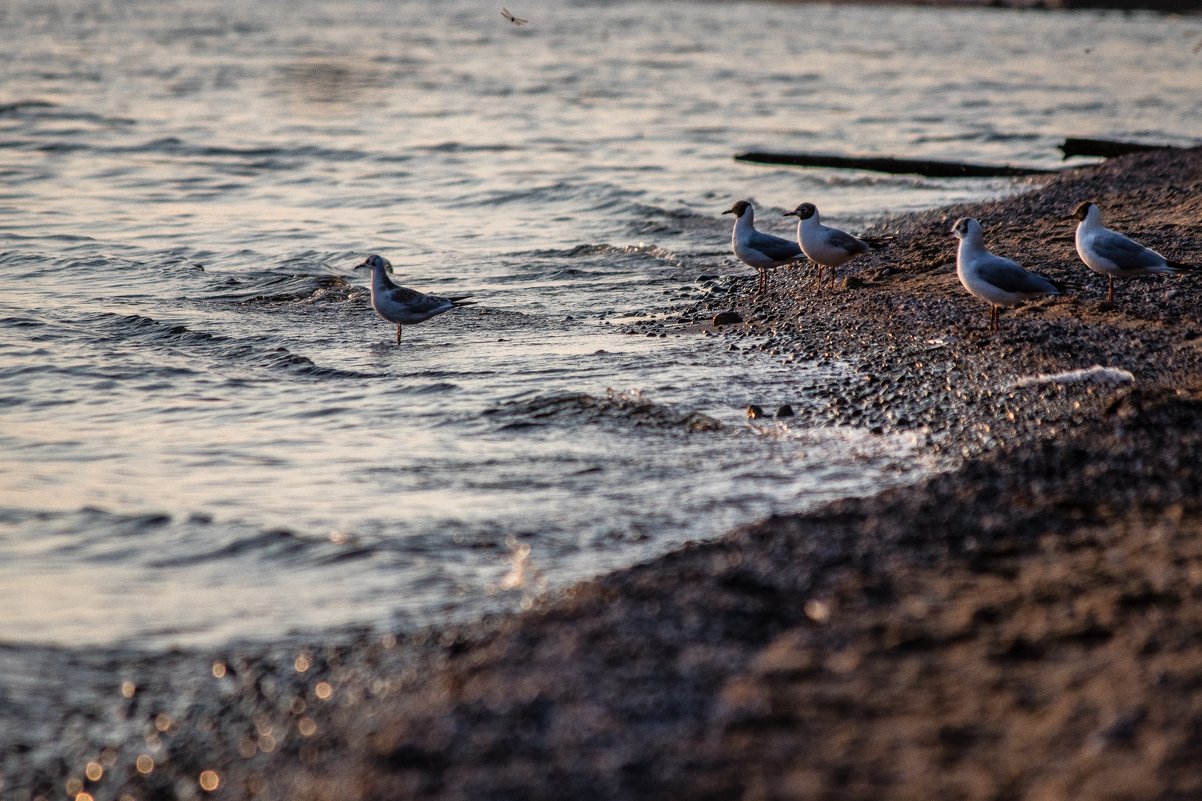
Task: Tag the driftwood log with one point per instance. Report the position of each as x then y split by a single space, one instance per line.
930 169
1106 148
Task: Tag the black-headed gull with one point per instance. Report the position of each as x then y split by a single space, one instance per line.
826 246
400 305
761 251
1114 255
995 280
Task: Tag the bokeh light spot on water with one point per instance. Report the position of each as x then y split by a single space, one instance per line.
219 670
323 690
301 663
94 771
307 727
144 764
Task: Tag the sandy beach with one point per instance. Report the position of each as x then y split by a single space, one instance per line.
1023 626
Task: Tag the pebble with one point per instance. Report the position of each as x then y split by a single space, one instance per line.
784 410
727 318
754 412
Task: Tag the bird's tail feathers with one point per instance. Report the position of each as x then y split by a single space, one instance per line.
875 242
462 300
1183 267
1065 285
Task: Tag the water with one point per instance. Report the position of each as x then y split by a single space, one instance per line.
207 435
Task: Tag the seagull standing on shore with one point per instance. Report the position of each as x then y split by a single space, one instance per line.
995 280
1114 255
402 306
825 246
761 251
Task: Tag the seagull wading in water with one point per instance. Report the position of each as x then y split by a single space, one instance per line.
761 251
1114 255
995 280
402 306
825 246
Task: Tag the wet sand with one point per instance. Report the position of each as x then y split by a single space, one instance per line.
1024 626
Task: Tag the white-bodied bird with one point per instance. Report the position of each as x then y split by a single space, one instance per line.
761 251
1114 255
995 280
400 305
826 246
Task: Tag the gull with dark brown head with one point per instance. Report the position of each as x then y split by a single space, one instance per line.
995 280
761 251
1114 255
400 305
826 246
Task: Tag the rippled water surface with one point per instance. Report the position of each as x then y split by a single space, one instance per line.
207 435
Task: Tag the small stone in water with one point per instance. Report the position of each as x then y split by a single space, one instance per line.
754 412
785 410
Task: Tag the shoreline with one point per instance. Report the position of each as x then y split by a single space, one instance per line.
1023 625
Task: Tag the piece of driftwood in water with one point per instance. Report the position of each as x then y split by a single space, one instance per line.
931 169
1106 148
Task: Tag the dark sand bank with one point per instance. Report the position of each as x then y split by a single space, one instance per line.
1025 626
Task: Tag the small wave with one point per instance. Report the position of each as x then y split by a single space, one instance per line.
437 388
604 249
268 289
463 147
146 330
275 157
575 407
18 106
274 544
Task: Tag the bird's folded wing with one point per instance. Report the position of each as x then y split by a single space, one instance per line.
774 247
416 301
1123 252
845 241
1008 276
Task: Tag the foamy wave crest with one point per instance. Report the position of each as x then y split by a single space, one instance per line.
574 407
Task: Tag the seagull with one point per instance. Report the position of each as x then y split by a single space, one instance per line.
827 247
993 279
1114 255
761 251
402 306
515 20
